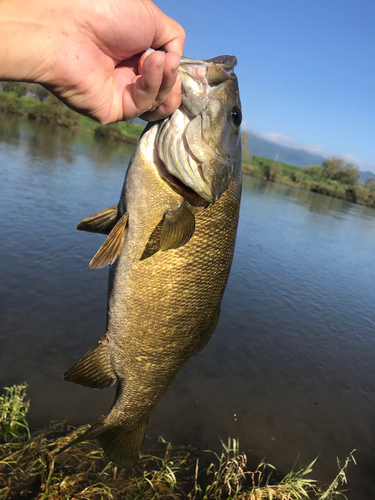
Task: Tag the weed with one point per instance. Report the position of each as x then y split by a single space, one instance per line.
13 410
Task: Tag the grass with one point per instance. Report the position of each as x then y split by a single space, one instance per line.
53 111
13 409
30 469
308 178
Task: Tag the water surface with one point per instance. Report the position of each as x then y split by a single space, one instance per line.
290 369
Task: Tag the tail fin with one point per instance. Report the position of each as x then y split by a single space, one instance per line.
121 444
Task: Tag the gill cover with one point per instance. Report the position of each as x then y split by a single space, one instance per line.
199 142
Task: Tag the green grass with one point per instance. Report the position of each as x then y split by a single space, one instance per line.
30 468
13 409
308 178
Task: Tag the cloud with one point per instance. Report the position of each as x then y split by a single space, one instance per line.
285 140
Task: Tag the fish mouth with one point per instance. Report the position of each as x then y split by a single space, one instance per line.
211 72
177 185
194 146
187 162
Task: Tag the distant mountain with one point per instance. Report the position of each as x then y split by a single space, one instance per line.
365 176
273 151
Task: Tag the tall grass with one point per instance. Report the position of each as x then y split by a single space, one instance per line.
13 409
30 468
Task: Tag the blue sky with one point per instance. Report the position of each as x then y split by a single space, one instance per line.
306 68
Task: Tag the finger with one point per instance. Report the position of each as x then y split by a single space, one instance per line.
171 64
169 33
175 45
132 94
170 105
147 85
141 60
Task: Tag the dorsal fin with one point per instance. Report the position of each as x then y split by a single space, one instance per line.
109 251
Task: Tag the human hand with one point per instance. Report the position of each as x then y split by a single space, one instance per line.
91 54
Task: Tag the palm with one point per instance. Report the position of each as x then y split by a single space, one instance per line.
93 82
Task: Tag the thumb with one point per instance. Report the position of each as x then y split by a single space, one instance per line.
169 34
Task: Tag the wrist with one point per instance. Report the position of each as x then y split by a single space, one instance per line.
27 41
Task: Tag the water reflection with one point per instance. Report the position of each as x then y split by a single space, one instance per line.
49 142
290 369
9 128
317 204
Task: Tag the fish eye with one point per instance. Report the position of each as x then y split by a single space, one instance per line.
236 116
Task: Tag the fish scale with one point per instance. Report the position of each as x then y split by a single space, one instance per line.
170 246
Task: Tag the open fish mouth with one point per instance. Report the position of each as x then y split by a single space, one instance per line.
180 164
193 145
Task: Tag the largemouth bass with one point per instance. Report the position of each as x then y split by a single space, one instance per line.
170 245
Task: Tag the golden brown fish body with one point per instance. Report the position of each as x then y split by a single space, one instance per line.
173 245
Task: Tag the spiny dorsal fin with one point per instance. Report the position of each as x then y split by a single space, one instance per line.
109 251
94 369
178 228
102 222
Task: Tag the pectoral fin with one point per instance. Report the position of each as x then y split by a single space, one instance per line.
94 369
102 222
178 227
109 251
173 231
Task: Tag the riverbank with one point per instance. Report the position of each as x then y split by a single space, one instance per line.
309 178
30 468
53 111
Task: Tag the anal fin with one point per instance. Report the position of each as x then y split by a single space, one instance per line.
94 369
109 251
101 222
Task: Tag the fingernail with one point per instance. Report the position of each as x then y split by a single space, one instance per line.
160 64
174 70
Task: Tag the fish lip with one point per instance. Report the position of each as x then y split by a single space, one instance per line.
199 70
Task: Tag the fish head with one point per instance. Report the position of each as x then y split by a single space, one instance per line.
199 145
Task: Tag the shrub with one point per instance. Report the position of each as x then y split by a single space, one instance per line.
10 105
18 88
54 112
113 131
314 170
341 171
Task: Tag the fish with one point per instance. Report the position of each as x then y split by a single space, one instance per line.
170 247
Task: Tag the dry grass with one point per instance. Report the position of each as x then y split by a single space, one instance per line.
30 469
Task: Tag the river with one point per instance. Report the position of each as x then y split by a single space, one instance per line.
290 370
